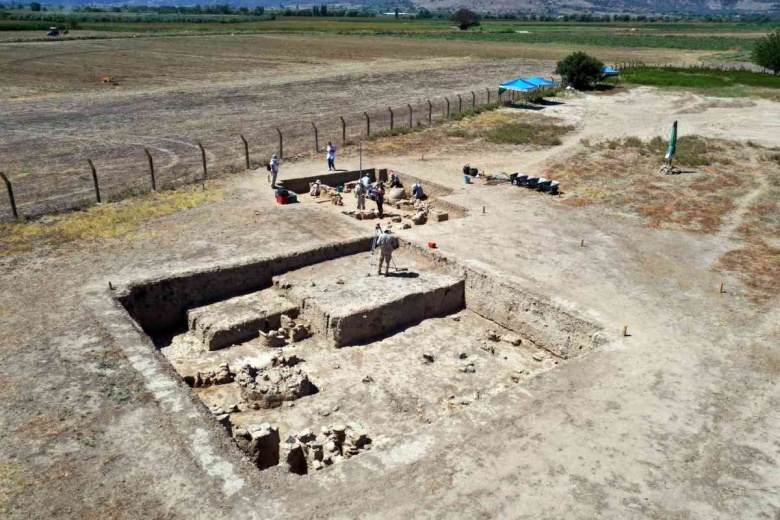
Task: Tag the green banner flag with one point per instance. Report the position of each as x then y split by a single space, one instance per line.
672 144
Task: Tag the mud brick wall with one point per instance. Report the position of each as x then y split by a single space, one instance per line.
548 325
161 304
301 184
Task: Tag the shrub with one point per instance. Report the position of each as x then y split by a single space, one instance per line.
580 70
464 19
767 52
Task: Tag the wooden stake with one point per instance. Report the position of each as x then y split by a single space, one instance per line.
151 168
721 288
203 161
625 330
94 180
246 151
11 198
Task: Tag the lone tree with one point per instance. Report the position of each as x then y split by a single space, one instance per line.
766 53
580 70
464 19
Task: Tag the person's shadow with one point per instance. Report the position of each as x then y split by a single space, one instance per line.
403 274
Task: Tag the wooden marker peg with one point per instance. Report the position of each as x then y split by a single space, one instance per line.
625 330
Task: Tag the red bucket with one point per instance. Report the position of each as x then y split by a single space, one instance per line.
432 245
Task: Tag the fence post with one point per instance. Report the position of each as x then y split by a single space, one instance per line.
460 104
448 107
94 180
10 195
316 138
203 160
343 132
411 118
488 93
368 125
430 112
473 100
281 142
151 168
391 117
246 151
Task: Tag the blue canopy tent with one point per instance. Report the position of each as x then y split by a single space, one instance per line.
516 85
540 82
609 72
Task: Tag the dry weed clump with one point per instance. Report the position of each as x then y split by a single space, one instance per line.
497 127
758 262
623 174
101 222
759 266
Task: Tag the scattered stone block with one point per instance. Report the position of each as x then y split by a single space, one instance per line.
419 218
513 339
490 349
428 357
260 444
468 368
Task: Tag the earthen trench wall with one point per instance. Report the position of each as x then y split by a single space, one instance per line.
161 304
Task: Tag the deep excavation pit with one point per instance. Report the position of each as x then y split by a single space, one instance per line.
307 361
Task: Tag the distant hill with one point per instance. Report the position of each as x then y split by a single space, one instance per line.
770 7
612 6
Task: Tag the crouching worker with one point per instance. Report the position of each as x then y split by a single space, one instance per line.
387 243
315 189
417 192
394 181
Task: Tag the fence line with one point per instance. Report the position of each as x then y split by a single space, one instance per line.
294 141
688 65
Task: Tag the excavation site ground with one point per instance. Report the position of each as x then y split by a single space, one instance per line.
609 351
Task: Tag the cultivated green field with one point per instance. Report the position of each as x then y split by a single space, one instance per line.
737 38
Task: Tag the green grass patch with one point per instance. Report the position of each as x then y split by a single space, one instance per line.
471 112
703 78
606 39
539 134
692 150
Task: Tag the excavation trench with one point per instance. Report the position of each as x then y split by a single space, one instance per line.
273 344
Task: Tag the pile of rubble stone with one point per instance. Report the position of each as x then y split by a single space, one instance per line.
269 386
222 376
423 212
305 452
291 331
